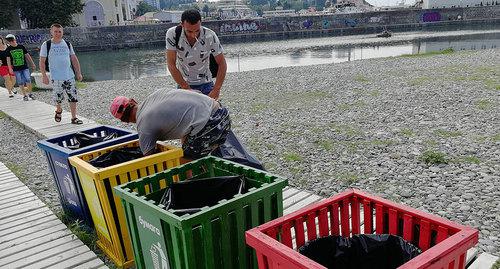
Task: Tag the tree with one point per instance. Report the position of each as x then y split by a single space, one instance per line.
144 8
7 12
42 13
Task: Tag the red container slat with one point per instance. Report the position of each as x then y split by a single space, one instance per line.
379 219
299 232
344 218
408 227
286 235
334 219
355 216
393 221
368 218
452 241
311 226
425 235
323 222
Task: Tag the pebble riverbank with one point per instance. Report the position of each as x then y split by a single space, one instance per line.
367 124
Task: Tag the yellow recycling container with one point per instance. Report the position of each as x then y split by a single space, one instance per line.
106 209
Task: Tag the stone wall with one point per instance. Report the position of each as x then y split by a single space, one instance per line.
114 37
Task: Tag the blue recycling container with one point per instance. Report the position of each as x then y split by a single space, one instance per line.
66 178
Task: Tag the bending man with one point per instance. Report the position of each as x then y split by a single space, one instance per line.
199 121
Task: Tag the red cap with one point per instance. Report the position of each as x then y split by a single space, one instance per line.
118 106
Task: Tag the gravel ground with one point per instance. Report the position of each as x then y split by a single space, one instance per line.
365 124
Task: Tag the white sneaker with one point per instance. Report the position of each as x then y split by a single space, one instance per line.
31 96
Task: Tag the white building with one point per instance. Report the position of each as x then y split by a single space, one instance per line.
278 12
153 3
168 16
428 4
232 9
101 13
130 8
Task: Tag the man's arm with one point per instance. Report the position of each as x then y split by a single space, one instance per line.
76 66
9 65
171 57
221 75
30 60
41 63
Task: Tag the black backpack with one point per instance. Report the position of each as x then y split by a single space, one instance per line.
49 44
214 67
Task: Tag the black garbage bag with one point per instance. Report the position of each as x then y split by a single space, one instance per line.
233 150
365 251
83 140
189 196
116 157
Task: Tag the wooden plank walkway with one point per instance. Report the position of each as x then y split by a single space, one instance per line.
38 116
31 236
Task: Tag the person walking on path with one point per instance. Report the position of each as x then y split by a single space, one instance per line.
58 55
191 51
199 121
8 77
17 60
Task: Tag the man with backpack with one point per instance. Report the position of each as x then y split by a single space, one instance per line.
58 57
195 56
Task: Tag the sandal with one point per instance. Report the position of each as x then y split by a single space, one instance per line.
76 121
58 116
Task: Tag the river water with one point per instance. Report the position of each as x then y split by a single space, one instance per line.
148 62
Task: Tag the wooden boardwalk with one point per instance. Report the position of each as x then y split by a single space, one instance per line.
38 116
31 236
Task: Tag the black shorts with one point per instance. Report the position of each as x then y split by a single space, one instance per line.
212 135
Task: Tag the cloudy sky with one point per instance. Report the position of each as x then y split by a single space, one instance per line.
388 2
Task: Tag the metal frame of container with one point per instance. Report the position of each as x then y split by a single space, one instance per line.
65 176
211 238
444 243
105 207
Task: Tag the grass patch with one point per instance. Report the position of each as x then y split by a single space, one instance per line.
431 53
483 104
346 130
467 159
374 93
84 233
361 78
292 157
407 132
17 170
496 138
419 81
348 178
257 107
2 115
81 85
324 144
496 265
434 157
447 134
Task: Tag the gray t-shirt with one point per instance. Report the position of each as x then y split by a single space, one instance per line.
171 114
194 62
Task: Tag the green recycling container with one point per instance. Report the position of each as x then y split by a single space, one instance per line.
211 238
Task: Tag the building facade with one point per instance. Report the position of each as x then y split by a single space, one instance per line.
153 3
102 13
429 4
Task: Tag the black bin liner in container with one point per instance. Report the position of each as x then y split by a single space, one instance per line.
189 196
233 150
82 140
116 157
365 251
